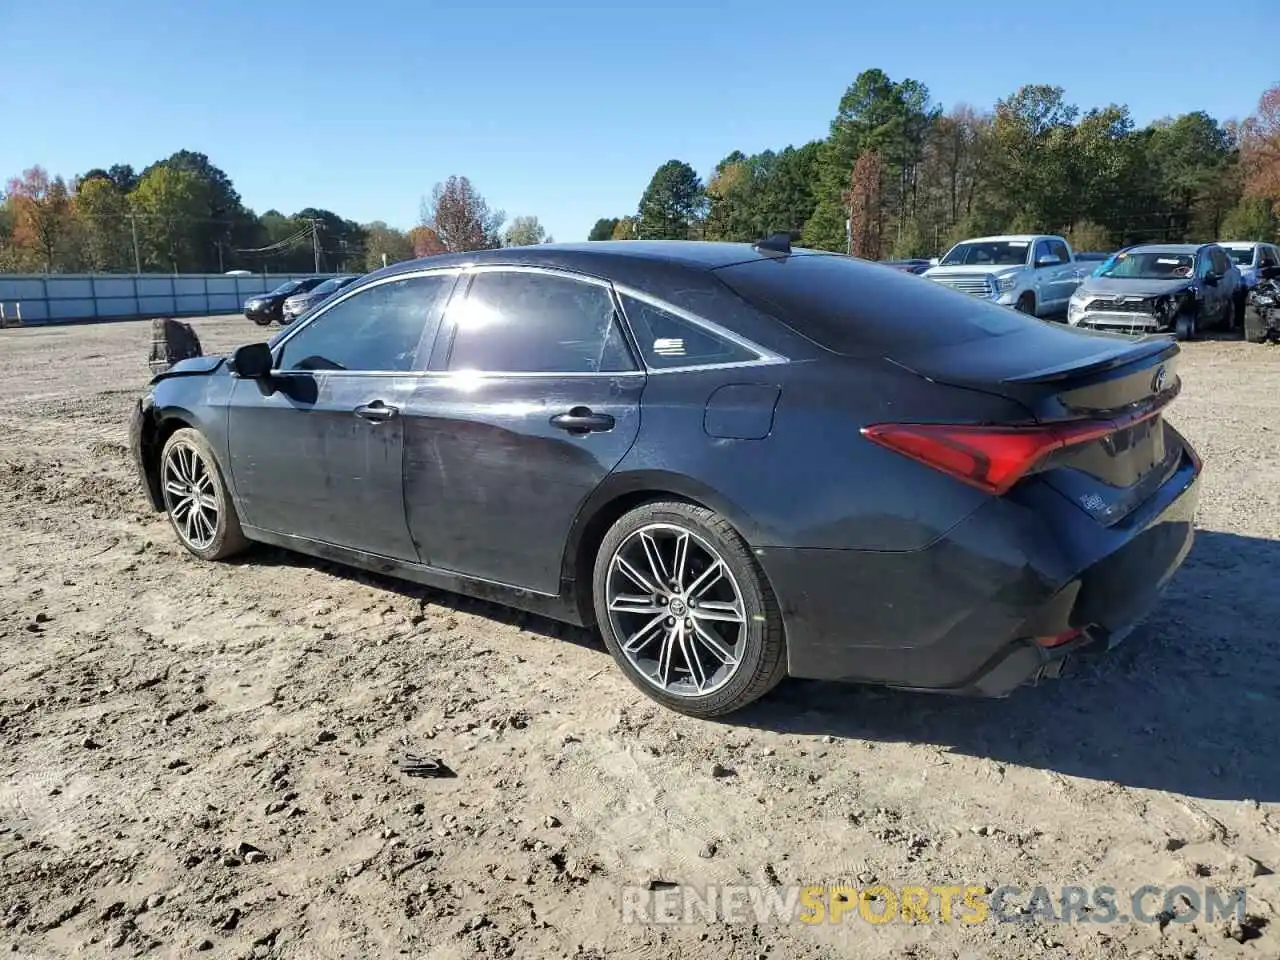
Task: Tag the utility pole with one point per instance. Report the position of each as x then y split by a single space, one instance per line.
137 259
315 241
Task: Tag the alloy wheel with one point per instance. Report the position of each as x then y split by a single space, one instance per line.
676 610
190 496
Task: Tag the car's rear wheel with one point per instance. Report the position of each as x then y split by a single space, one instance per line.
686 611
196 498
261 321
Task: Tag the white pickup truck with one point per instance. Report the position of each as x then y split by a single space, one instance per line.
1033 273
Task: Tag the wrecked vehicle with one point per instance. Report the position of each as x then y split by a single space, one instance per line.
1180 288
1262 308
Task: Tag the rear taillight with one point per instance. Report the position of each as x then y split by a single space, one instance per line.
992 458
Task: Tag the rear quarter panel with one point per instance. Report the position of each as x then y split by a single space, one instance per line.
813 480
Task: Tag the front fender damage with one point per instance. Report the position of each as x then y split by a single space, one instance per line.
143 437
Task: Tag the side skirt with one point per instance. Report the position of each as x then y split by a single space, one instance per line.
561 607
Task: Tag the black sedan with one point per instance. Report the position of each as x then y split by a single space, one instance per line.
739 462
263 308
298 304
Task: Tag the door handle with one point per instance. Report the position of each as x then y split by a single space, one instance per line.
377 411
582 420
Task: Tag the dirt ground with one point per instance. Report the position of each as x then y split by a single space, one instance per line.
203 757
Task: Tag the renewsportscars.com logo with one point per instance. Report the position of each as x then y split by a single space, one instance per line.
664 903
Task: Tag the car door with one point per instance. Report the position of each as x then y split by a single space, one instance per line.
1066 278
317 452
1044 278
534 397
1228 281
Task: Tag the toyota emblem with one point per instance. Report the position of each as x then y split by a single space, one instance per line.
1157 382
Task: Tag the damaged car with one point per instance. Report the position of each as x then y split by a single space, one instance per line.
1179 288
1262 308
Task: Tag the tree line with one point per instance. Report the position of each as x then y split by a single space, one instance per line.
183 215
897 177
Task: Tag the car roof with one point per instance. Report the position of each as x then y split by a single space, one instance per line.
1018 237
588 256
1184 248
1240 244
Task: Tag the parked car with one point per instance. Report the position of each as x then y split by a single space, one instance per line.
908 266
1034 274
739 462
1183 288
298 304
263 308
1091 257
1251 259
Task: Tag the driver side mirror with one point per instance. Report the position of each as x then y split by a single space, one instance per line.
252 361
1049 261
1211 279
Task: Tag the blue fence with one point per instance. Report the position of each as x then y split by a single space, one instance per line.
70 298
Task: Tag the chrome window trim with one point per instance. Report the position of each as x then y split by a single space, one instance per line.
764 356
346 294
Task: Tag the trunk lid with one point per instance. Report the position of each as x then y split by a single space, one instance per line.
1122 384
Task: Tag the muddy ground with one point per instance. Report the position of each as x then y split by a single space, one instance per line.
202 758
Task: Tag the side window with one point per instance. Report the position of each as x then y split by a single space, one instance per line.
1042 250
1267 257
1204 265
1221 265
378 328
522 322
669 341
1059 249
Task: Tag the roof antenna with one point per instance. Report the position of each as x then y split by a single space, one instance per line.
776 244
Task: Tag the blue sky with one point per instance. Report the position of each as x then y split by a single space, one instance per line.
555 109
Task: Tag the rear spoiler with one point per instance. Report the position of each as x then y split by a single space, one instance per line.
1162 344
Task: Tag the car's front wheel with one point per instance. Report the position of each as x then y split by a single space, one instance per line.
196 498
686 611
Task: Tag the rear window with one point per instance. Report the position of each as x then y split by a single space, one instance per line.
854 307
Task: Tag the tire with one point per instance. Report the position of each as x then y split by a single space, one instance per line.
698 680
1184 326
261 321
1254 325
1237 312
187 464
1026 304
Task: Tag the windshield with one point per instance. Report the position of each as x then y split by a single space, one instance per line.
1240 256
988 253
289 286
1150 266
331 285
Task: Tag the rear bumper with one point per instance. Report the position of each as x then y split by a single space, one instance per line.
960 615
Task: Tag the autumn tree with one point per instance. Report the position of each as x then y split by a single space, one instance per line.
524 232
864 201
43 223
425 242
626 228
461 218
672 204
1260 149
